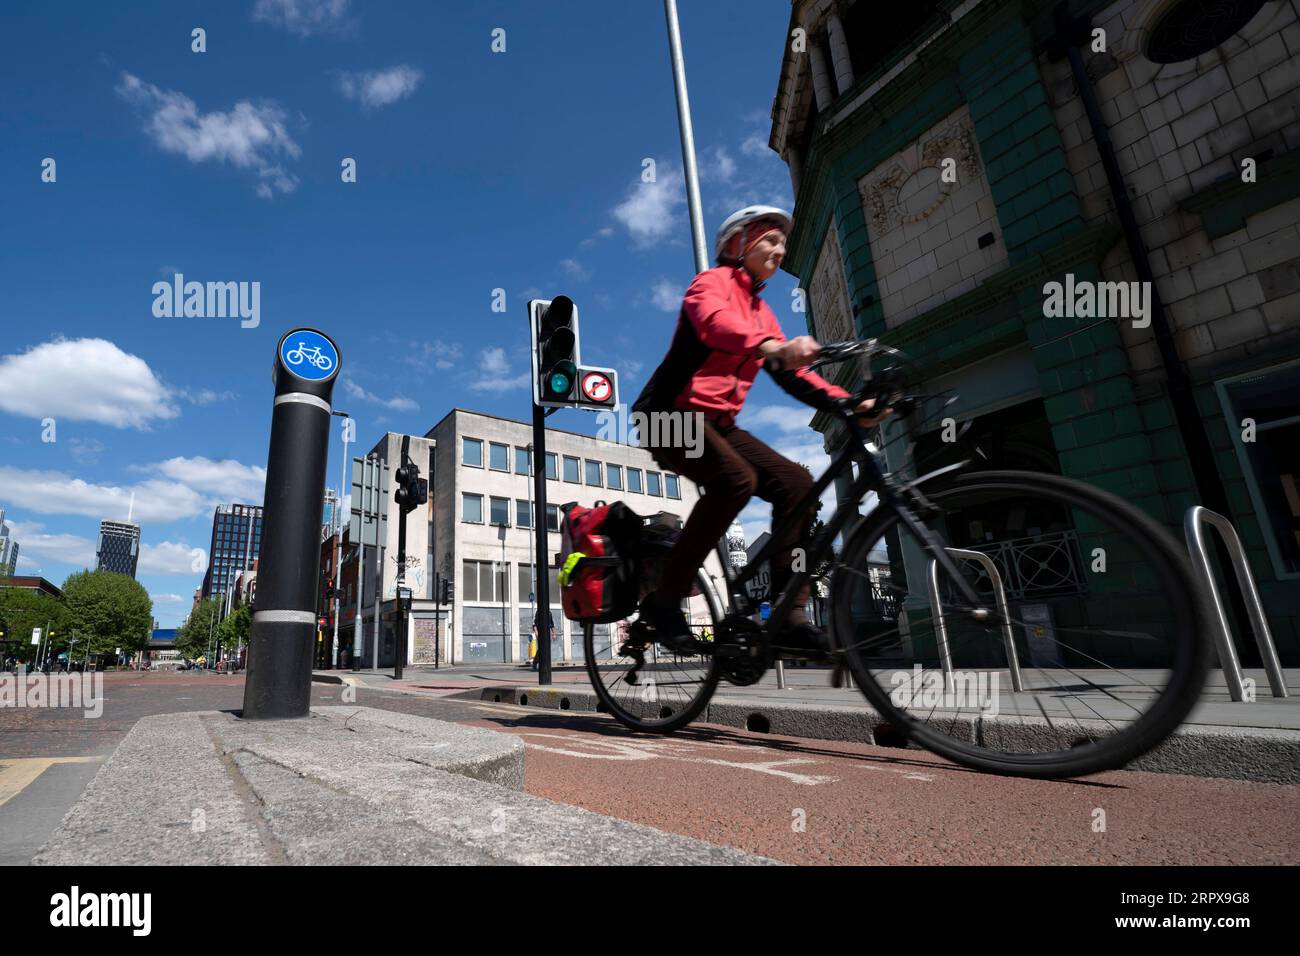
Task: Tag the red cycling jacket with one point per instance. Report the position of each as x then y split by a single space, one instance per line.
713 359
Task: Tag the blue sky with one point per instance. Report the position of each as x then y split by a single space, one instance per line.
476 171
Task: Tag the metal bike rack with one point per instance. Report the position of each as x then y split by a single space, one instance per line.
999 593
1194 523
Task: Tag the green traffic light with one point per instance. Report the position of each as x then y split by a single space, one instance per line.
559 381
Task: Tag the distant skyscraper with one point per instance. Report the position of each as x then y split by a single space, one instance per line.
232 550
119 547
8 549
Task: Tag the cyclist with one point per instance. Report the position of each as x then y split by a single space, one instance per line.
724 334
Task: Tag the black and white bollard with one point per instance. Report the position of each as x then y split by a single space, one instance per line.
283 636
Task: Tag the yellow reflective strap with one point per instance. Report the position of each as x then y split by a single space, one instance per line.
566 571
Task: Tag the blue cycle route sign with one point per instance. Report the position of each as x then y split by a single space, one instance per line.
309 355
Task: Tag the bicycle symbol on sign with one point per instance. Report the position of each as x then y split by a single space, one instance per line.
312 355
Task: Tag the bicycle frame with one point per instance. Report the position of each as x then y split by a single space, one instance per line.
902 498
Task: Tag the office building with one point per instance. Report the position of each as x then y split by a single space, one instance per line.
118 548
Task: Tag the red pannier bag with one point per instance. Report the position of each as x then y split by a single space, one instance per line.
599 571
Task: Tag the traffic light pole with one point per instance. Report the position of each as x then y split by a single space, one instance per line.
400 637
543 618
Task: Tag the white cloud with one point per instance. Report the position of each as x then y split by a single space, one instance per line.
169 557
755 145
494 373
443 355
85 451
304 17
227 479
87 380
649 213
53 492
398 404
166 598
785 418
717 165
667 295
248 136
575 269
205 396
375 88
631 369
33 543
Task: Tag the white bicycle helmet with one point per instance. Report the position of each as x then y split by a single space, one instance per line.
740 221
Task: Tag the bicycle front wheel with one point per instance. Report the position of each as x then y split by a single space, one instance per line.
1088 648
645 686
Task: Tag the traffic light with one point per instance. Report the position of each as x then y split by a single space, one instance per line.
412 490
448 591
554 326
560 380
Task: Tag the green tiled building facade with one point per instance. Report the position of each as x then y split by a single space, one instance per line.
945 170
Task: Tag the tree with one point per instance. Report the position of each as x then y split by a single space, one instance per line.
234 630
21 610
195 636
108 611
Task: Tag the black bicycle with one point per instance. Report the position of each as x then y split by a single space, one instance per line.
1019 623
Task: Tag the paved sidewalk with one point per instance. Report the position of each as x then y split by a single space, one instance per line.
348 785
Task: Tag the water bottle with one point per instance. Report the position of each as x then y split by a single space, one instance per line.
764 611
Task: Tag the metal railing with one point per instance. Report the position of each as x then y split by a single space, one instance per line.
1194 523
1000 596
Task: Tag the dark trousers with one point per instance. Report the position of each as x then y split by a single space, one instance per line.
733 467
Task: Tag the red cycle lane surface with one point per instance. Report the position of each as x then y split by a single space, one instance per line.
821 802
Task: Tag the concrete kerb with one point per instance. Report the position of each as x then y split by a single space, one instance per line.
349 785
1235 753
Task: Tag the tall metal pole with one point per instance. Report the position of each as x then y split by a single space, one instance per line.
381 506
543 617
284 626
357 626
338 536
688 137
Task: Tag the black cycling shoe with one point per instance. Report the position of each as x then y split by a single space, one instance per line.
802 640
670 626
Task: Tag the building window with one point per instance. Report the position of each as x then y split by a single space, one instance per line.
672 487
1193 27
571 469
552 517
523 513
552 466
498 456
634 480
593 473
483 581
652 484
472 452
614 476
1271 463
521 461
471 508
500 511
526 584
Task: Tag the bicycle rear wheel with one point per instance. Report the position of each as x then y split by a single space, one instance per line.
1108 630
645 686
